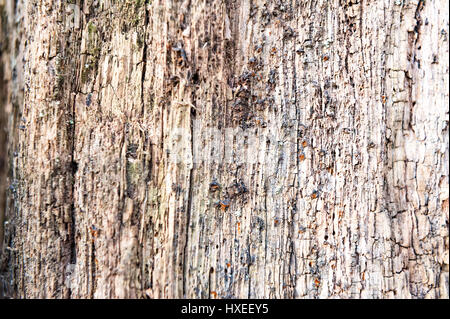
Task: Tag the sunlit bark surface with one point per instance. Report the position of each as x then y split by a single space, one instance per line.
224 149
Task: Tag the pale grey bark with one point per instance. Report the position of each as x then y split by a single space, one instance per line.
340 191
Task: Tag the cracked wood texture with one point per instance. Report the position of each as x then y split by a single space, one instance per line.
314 149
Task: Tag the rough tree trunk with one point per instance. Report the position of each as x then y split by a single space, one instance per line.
224 149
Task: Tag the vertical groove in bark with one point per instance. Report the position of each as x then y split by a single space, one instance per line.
327 176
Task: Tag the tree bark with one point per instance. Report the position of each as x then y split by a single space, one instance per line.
224 149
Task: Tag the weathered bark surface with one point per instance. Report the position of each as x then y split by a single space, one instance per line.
339 191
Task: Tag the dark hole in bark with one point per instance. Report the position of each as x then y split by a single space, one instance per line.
74 167
195 78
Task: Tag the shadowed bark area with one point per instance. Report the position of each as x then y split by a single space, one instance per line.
225 149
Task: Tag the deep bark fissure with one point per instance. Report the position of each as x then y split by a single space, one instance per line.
188 213
144 55
348 196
